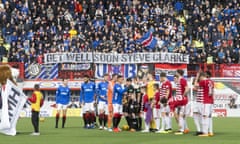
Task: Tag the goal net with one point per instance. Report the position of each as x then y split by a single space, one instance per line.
226 96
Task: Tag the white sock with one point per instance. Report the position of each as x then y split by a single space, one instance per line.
163 123
146 126
205 125
181 123
196 118
168 125
157 121
170 122
210 130
185 123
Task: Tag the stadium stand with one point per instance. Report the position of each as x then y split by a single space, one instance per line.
206 30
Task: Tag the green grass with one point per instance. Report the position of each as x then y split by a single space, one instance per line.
226 132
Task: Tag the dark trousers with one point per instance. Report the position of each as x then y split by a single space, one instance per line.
35 121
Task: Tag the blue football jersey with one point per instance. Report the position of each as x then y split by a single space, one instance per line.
118 92
87 92
102 91
63 95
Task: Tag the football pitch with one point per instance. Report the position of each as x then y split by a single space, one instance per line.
226 132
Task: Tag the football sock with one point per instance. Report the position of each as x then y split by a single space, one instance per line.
130 123
205 121
134 123
87 118
163 123
57 119
146 126
84 120
139 123
92 118
105 120
168 124
128 120
210 125
157 121
114 122
181 123
185 123
64 120
118 119
196 118
100 119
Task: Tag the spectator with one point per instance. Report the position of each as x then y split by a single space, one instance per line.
113 26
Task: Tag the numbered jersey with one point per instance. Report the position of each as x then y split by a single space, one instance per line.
208 86
102 91
118 92
166 86
180 99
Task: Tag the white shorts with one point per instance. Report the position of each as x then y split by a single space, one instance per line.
102 106
88 107
62 106
197 107
156 113
181 110
117 108
165 109
207 110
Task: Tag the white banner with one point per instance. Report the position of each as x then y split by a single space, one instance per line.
13 100
111 58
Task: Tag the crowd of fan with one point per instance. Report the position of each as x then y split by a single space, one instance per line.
207 30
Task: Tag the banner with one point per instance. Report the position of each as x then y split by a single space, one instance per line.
44 71
127 70
75 66
13 100
226 98
111 58
231 71
169 69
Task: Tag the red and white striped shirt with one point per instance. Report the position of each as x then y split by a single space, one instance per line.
180 98
199 95
166 86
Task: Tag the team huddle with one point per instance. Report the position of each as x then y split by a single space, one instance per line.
142 101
